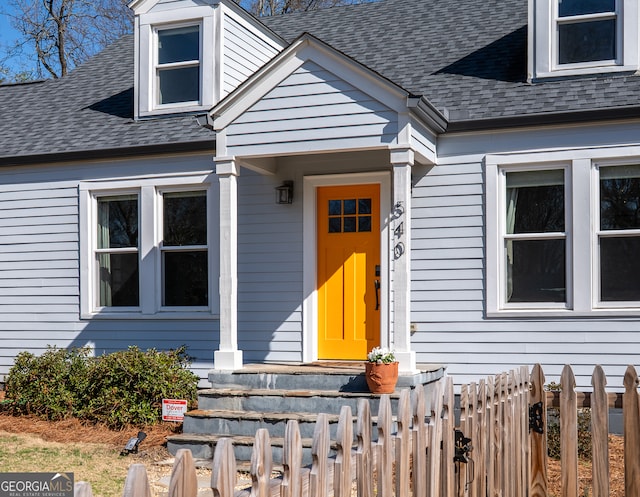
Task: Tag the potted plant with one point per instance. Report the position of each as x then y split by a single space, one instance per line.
381 370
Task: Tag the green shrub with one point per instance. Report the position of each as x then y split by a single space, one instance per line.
47 385
553 429
127 387
118 389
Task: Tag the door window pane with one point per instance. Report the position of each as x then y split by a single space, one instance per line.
349 216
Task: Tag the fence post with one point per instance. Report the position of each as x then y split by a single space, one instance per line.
364 468
137 482
82 489
631 414
538 474
342 466
420 472
183 481
403 443
223 474
261 464
568 433
384 459
599 434
435 429
319 476
448 440
292 461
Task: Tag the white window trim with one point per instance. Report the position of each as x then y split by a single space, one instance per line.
597 302
582 241
145 91
497 232
157 67
543 21
149 235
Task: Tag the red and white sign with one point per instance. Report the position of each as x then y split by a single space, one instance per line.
173 409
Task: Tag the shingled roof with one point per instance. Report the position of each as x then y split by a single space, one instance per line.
468 58
86 113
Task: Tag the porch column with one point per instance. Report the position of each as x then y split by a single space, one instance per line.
402 161
228 357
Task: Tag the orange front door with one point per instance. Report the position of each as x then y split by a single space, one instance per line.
348 271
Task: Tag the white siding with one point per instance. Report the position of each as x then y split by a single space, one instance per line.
243 54
39 268
448 268
312 109
269 272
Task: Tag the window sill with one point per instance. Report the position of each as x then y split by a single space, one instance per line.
166 315
578 70
563 313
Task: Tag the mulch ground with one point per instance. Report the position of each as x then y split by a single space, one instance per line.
154 446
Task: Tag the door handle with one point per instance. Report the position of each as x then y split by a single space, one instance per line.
376 285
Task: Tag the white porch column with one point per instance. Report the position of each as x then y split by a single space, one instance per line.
228 357
402 161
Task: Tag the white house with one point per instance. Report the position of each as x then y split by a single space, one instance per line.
458 181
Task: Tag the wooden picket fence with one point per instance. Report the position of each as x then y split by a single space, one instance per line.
497 449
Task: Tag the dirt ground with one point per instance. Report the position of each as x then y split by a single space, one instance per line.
153 449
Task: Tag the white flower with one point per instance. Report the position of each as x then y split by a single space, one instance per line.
381 355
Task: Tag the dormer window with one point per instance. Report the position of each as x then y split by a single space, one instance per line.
178 65
586 31
580 37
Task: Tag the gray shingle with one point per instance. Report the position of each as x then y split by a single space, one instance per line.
467 57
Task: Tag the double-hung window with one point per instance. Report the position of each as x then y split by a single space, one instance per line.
146 248
184 251
178 65
534 239
563 236
117 251
587 31
580 37
618 236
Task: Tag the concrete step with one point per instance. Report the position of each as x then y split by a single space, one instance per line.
300 401
246 423
340 376
202 446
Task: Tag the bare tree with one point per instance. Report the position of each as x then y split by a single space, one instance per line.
60 34
276 7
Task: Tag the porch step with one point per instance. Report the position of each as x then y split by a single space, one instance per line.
286 401
246 423
339 376
268 395
202 446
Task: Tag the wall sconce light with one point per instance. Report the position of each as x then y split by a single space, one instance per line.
284 193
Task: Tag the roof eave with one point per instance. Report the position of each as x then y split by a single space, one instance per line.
111 153
428 113
549 118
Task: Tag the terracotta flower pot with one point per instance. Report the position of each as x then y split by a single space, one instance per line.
381 378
